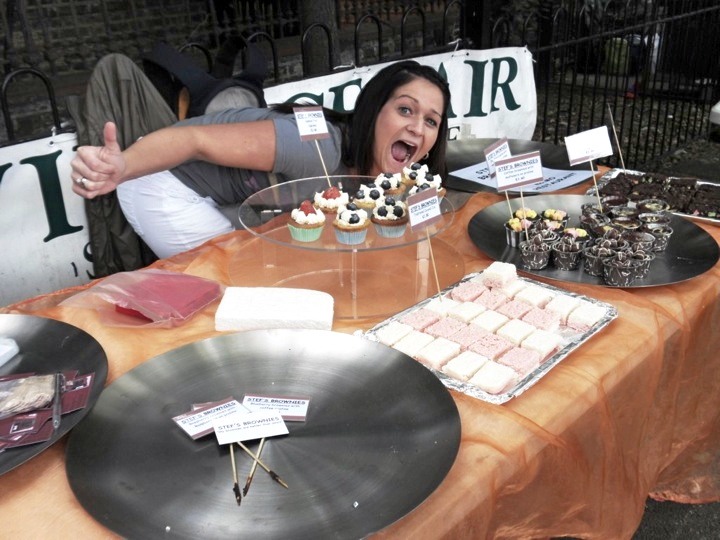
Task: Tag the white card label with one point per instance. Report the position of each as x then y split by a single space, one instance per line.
423 207
496 151
588 145
291 409
245 427
311 123
518 171
199 422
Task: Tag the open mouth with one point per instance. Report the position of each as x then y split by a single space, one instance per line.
402 151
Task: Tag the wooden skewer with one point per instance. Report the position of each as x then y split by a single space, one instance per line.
236 486
253 469
272 473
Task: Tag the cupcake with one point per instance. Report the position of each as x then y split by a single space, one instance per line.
594 255
652 205
545 230
566 253
428 181
351 224
368 196
515 231
390 218
621 270
412 173
577 233
639 239
661 233
391 184
306 222
526 213
554 215
535 253
330 200
645 257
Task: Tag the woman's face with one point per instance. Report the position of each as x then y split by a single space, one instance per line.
407 126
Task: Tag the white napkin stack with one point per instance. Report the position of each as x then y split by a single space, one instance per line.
254 308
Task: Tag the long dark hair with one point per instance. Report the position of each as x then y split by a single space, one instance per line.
358 127
358 150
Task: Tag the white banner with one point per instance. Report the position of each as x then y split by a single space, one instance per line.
493 91
44 238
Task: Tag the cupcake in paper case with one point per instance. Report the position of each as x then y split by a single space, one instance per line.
593 256
566 253
526 213
662 234
639 239
621 270
515 231
646 257
368 196
391 184
555 215
306 222
578 234
330 200
542 228
412 173
535 253
351 225
390 218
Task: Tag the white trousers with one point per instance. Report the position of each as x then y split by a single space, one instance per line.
169 216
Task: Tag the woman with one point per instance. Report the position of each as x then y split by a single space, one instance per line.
171 182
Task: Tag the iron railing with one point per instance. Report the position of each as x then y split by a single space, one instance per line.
653 65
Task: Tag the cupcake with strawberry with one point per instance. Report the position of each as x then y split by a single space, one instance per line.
306 222
330 200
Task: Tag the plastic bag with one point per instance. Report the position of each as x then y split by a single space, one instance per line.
147 298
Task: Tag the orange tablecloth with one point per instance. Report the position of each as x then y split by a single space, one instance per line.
634 411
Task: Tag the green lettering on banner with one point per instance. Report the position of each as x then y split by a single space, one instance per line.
443 73
339 93
52 195
317 99
477 83
512 105
4 168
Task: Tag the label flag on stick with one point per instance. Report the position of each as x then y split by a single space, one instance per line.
312 127
518 171
494 152
587 146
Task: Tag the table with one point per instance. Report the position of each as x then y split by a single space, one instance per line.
634 411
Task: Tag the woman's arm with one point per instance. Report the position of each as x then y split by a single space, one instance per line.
247 145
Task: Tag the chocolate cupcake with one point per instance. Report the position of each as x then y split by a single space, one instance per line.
566 253
535 253
621 270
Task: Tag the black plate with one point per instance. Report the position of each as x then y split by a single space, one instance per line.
380 435
690 252
48 346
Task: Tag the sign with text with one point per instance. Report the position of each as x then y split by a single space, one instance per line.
249 426
311 123
423 208
291 408
497 150
518 171
493 91
199 422
588 145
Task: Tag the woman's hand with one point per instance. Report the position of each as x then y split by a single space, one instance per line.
97 170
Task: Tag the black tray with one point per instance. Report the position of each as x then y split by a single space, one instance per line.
48 346
690 252
381 434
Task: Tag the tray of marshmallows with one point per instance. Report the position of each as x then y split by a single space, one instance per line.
493 334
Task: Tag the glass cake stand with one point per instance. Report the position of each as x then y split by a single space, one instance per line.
378 277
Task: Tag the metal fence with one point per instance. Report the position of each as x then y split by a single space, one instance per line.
648 68
654 65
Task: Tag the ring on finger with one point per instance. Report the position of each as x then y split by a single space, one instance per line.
83 181
79 181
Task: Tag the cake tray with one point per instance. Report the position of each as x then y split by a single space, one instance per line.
49 346
570 341
691 251
613 173
361 460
